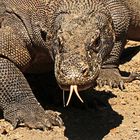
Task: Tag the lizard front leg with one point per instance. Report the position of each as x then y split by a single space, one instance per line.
16 98
18 102
110 73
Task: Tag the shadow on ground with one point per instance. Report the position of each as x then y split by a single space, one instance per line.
129 53
90 121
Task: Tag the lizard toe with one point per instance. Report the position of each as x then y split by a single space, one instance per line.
54 118
110 77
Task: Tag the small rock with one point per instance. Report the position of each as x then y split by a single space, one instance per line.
134 121
123 103
5 127
135 129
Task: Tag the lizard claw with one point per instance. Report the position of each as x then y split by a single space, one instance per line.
32 117
113 78
121 85
54 118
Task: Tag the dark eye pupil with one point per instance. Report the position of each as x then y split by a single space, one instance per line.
95 45
97 42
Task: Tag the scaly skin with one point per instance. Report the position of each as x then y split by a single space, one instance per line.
84 37
19 32
126 20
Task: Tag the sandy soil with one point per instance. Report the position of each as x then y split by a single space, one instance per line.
108 114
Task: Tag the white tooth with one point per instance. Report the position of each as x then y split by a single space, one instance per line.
76 91
64 99
70 94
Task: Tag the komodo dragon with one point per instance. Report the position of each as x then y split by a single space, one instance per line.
85 39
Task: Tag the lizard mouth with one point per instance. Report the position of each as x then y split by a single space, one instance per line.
79 87
73 89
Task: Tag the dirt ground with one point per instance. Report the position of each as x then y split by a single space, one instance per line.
108 114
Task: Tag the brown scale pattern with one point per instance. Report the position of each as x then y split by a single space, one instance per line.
18 102
12 47
18 33
21 24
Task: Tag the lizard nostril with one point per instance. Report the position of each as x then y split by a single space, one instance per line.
85 71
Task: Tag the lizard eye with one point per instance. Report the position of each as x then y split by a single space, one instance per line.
95 44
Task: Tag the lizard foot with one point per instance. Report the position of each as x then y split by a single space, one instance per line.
113 78
32 116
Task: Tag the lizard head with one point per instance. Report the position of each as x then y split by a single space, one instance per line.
80 45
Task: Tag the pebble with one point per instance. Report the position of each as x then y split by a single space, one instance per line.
135 129
123 103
